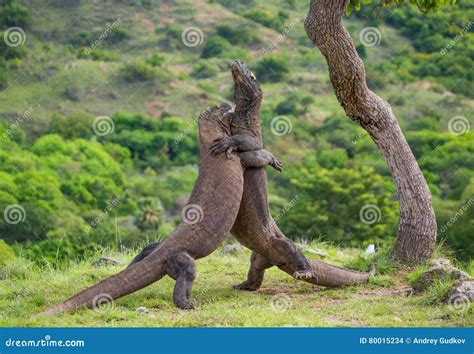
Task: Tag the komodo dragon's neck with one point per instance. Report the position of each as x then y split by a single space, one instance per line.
248 99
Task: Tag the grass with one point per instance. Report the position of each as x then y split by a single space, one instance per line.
282 301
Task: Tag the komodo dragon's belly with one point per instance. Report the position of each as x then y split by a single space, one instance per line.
253 220
213 205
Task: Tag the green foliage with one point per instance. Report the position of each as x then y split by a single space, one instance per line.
295 104
76 125
203 70
214 47
272 68
81 39
446 50
268 19
155 142
155 60
138 71
340 191
6 253
14 15
424 6
237 35
94 54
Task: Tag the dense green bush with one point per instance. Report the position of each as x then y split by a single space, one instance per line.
295 104
272 68
155 60
13 15
268 19
237 35
138 71
214 47
322 196
156 142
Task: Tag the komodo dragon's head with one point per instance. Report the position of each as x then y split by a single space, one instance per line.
214 123
247 89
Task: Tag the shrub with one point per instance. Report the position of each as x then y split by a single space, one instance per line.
117 35
237 35
81 39
95 54
267 19
203 70
12 15
138 71
295 104
272 68
214 47
155 60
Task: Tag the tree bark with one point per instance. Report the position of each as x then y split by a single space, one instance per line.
416 235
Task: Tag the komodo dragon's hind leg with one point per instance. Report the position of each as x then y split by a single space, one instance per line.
258 264
182 268
145 252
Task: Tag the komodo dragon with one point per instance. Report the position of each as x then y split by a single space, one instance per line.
212 208
254 226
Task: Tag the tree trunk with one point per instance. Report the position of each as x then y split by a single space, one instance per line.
417 227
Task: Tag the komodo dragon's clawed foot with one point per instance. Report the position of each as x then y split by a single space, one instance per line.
303 274
246 286
187 305
276 164
221 145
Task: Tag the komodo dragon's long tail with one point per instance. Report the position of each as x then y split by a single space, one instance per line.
133 278
332 276
325 274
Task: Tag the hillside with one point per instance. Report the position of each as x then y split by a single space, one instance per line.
98 111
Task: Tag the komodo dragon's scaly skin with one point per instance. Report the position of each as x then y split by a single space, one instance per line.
254 226
208 217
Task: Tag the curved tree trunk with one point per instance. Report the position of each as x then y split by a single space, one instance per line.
417 228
